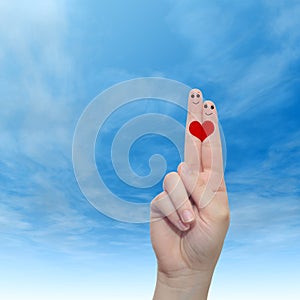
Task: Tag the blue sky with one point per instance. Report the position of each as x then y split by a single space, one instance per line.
56 56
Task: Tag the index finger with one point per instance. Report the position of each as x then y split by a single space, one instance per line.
192 147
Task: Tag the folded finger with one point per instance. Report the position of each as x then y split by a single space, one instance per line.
162 207
175 188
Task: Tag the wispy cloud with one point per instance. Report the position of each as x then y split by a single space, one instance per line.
259 225
276 172
265 201
40 201
243 49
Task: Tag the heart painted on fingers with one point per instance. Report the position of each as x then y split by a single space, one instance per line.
201 131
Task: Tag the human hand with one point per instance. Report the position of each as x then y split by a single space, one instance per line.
190 218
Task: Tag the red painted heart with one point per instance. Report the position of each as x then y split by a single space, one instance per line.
201 131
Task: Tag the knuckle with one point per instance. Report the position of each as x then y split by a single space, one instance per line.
157 199
183 204
223 215
169 179
179 168
170 176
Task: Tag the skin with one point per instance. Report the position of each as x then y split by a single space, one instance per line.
190 218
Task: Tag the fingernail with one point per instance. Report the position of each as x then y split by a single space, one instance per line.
182 226
187 215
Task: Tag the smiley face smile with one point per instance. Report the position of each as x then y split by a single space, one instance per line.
208 114
195 102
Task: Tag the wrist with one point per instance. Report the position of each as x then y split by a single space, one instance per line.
187 285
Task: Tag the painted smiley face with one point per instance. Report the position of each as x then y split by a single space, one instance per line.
195 96
209 108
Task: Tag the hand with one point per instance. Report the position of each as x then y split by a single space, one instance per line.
190 218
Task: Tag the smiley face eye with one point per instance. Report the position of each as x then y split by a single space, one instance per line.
193 96
212 107
198 96
205 105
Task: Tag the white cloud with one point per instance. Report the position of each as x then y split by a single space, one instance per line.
265 202
36 122
7 214
277 173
